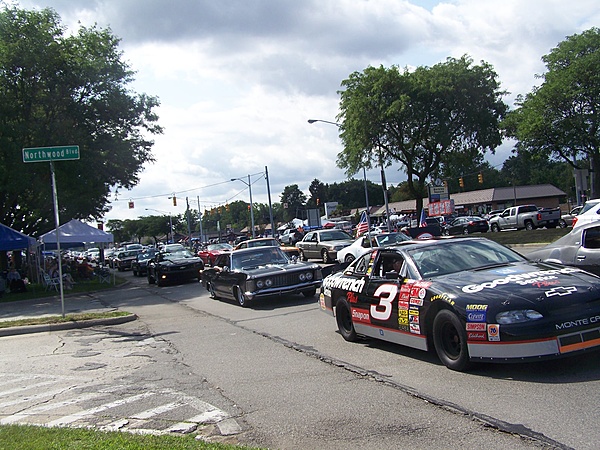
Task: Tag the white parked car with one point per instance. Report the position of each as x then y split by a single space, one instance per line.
589 213
362 244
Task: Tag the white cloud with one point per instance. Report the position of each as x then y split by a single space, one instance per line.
237 80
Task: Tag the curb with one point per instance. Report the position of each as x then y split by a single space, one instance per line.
26 329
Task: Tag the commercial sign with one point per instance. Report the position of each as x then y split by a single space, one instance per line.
60 153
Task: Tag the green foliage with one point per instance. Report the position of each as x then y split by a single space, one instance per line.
420 119
295 200
561 118
58 89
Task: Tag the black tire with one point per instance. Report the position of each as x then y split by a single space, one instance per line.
562 223
343 317
450 341
495 228
135 273
151 279
465 231
349 258
310 293
211 291
302 255
325 256
241 298
529 226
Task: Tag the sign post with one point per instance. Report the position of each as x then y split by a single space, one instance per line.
51 154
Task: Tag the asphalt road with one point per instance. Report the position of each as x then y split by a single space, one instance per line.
278 375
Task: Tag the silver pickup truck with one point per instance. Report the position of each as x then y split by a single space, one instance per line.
529 217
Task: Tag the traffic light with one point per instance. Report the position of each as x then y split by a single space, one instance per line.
480 178
174 201
461 182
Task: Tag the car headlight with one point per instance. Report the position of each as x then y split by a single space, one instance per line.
268 282
260 284
309 276
517 316
302 277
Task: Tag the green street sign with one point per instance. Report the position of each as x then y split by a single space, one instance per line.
61 153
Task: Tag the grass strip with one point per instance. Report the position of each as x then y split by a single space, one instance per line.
45 320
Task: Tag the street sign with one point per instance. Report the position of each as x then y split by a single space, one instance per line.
61 153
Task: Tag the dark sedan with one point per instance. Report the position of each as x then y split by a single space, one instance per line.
139 266
579 248
251 273
176 265
466 225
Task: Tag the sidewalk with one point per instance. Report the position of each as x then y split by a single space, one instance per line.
51 306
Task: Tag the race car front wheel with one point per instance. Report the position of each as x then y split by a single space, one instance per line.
343 317
450 340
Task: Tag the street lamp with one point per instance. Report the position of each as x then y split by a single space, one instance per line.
249 184
311 121
170 219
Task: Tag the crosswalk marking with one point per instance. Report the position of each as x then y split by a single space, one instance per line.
78 415
48 407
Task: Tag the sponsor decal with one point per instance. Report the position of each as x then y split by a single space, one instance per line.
404 296
403 317
560 291
476 336
493 332
413 319
402 304
322 301
352 297
545 283
327 292
477 307
578 323
522 279
416 301
415 328
476 326
403 328
360 315
344 283
476 317
506 271
444 297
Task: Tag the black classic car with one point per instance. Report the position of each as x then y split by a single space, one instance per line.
139 265
472 299
174 264
251 273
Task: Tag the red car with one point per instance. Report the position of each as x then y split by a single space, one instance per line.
211 251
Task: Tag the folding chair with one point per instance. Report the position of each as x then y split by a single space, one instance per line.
51 283
103 275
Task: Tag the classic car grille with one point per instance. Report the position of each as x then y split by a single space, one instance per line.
285 279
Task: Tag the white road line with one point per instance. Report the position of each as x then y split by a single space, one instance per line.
24 388
158 410
74 417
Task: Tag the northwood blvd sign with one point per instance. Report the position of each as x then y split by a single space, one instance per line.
60 153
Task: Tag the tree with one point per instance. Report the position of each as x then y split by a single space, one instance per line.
295 200
418 118
561 118
58 89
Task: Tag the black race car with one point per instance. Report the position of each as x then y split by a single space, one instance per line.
139 265
174 264
470 298
251 273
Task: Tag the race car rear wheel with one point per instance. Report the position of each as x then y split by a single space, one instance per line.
450 340
343 317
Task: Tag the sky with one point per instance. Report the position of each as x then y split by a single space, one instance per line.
237 80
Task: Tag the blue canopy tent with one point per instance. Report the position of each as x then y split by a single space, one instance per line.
75 234
13 240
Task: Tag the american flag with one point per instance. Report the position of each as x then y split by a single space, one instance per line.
422 221
363 224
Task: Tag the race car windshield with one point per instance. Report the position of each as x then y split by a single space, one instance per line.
457 256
